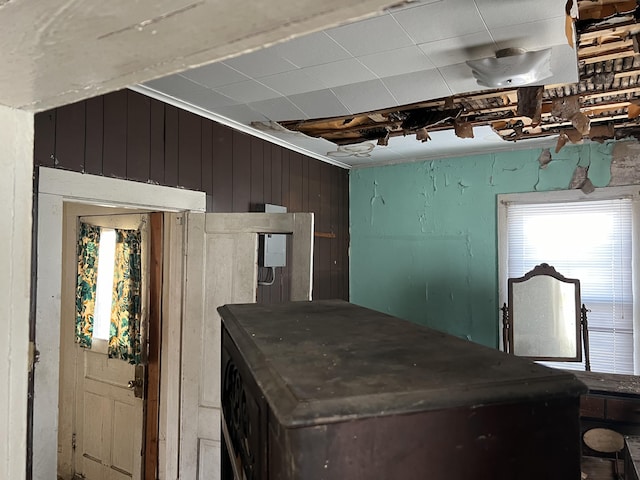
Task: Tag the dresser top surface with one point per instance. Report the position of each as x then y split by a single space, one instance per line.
326 361
610 383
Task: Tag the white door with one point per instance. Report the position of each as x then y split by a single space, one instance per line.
108 401
221 268
109 419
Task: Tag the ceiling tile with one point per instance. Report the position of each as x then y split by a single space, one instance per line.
173 85
319 104
564 65
319 145
184 89
437 21
459 78
340 73
417 86
406 146
214 75
241 114
260 63
247 92
291 83
459 49
377 155
278 109
496 14
205 97
532 35
396 62
365 96
372 35
315 49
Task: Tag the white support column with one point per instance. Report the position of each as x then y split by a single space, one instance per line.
47 375
16 167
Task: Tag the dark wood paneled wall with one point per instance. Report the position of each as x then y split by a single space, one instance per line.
130 136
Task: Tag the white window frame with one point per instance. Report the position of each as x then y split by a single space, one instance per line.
607 193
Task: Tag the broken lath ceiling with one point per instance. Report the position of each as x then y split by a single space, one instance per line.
604 104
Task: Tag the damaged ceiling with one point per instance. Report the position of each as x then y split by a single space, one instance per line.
396 87
603 104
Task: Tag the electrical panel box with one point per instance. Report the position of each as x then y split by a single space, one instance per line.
273 247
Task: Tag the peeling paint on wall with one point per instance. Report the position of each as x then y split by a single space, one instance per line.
579 177
432 255
625 164
375 198
544 158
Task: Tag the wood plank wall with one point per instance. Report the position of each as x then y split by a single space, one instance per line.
130 136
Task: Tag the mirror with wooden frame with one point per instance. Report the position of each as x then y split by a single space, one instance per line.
544 319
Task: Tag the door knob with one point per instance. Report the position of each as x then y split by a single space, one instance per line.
134 383
137 384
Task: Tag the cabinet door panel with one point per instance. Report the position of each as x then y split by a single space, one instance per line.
623 410
592 407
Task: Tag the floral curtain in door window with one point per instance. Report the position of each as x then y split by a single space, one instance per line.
88 243
124 333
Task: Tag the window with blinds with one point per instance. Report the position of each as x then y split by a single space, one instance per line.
590 241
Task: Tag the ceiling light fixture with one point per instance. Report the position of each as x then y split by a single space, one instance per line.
358 150
512 67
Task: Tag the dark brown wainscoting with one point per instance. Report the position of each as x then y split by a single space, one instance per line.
130 136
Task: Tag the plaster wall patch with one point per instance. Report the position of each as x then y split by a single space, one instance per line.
625 164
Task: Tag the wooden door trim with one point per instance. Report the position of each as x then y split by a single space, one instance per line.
154 337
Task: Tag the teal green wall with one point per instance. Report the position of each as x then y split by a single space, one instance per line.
424 235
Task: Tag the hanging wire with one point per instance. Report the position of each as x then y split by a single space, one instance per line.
266 276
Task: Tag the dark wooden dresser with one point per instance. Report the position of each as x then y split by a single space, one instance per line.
613 401
329 390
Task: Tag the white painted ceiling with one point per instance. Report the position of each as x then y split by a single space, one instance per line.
409 54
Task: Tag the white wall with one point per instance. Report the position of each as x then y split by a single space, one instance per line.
16 160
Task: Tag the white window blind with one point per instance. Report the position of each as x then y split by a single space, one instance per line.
590 241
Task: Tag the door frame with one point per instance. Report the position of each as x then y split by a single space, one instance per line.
55 188
73 357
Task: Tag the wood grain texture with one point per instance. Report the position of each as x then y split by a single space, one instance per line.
115 135
189 151
276 174
222 168
171 142
241 172
155 340
206 157
335 260
70 137
256 195
138 137
297 194
94 140
266 169
156 142
45 141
